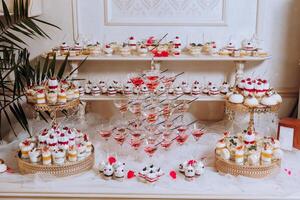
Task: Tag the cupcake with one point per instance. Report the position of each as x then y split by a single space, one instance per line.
111 91
52 84
236 98
128 88
95 91
71 136
81 90
42 138
88 87
178 90
177 42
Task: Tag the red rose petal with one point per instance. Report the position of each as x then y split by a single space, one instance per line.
10 170
173 174
130 174
112 160
289 172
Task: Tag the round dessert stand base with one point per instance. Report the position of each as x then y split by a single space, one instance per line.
261 171
68 169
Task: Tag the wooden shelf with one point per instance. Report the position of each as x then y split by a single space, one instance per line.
201 97
183 57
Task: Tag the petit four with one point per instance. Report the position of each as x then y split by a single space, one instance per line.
191 169
108 50
142 50
95 91
112 169
224 89
132 43
125 50
236 98
150 174
35 155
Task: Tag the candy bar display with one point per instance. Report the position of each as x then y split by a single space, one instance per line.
55 148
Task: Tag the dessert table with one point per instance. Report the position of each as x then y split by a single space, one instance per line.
212 185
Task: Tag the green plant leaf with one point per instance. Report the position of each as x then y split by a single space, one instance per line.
6 13
62 68
80 64
51 69
45 68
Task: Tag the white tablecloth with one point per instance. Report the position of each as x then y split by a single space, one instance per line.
211 184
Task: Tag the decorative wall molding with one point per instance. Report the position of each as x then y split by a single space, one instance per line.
75 19
165 12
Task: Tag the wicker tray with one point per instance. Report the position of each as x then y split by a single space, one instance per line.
229 167
57 107
68 169
259 109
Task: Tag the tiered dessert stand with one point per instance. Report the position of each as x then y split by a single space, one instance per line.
230 167
68 168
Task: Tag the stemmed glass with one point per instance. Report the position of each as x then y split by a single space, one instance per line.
122 105
181 134
150 147
136 80
120 134
197 132
151 112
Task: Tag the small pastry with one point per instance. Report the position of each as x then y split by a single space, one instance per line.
64 48
52 142
42 138
189 173
214 90
63 141
95 50
277 152
236 98
225 154
241 84
102 166
108 50
88 87
176 51
31 95
266 154
249 88
186 88
251 101
95 91
277 97
269 100
88 145
111 91
125 50
182 166
64 84
35 155
224 89
171 90
62 97
81 152
249 138
259 89
70 94
3 166
235 53
220 146
118 86
195 50
52 84
142 50
58 157
71 136
178 90
128 88
253 158
46 156
239 155
196 90
40 97
177 42
132 43
199 168
248 47
119 172
26 146
76 93
108 171
72 154
52 97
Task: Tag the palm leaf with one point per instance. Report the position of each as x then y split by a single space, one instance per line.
51 68
62 68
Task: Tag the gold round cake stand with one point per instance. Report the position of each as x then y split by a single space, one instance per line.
52 109
260 171
251 110
68 169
